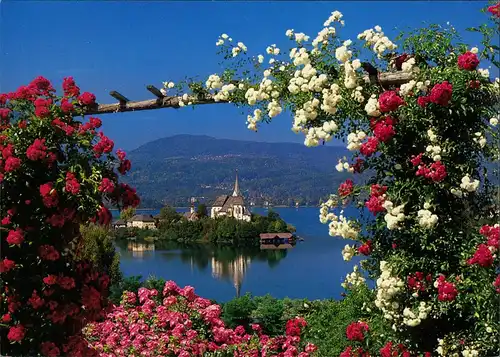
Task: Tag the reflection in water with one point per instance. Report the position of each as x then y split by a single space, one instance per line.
227 263
234 270
138 248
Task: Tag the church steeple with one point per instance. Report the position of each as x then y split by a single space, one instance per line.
236 191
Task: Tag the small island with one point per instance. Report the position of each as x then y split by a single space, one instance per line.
229 221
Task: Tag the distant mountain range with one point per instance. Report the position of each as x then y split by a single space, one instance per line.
174 169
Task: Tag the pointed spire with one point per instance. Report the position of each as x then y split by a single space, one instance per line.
236 191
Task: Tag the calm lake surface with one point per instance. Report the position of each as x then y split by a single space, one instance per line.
313 269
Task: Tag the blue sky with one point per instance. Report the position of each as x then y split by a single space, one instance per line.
127 45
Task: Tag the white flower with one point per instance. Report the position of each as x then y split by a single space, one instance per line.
289 33
348 252
484 72
474 50
260 58
372 107
493 121
469 185
426 219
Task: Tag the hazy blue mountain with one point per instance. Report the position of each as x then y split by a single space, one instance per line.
174 169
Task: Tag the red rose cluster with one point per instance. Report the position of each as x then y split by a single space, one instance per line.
377 199
436 171
483 256
48 198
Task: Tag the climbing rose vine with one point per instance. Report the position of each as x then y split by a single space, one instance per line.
424 136
56 172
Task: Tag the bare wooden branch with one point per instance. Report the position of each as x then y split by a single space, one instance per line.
384 79
118 96
165 102
155 91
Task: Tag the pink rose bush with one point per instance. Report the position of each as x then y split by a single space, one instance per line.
177 322
56 172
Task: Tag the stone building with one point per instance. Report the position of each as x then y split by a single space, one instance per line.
231 206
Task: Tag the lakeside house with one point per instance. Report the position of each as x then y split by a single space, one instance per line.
142 221
119 223
231 206
276 240
192 215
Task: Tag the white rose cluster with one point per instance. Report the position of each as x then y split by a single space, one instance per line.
166 87
426 219
357 95
239 48
323 36
469 185
222 39
353 279
273 50
331 99
253 120
348 252
214 82
408 66
185 100
335 16
434 151
388 288
325 132
377 40
308 112
300 56
224 92
354 140
307 80
484 72
480 139
394 216
341 166
301 37
432 136
339 225
412 319
372 107
494 121
265 91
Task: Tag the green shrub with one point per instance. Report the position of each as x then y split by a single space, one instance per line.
238 311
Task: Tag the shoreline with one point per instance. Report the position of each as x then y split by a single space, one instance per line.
277 206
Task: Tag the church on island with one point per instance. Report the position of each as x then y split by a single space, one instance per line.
231 206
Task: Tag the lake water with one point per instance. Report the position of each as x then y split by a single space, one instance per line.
313 269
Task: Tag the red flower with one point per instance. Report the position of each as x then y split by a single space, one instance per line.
398 62
369 147
366 249
35 300
378 190
105 145
495 10
482 257
358 165
496 283
87 98
49 349
346 188
56 220
12 164
356 330
384 130
120 154
446 290
41 85
15 236
441 93
423 101
70 88
16 333
50 279
72 184
106 186
66 106
468 61
389 101
104 216
22 124
4 113
129 196
438 172
49 195
374 204
8 151
6 265
124 167
95 122
416 160
66 282
6 318
48 252
37 150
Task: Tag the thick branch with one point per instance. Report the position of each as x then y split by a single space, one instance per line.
384 79
165 102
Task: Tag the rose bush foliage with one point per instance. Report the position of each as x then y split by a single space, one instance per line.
426 139
177 322
56 172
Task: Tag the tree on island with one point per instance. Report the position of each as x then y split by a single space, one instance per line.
127 213
201 210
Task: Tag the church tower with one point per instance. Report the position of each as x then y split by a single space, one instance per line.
236 191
